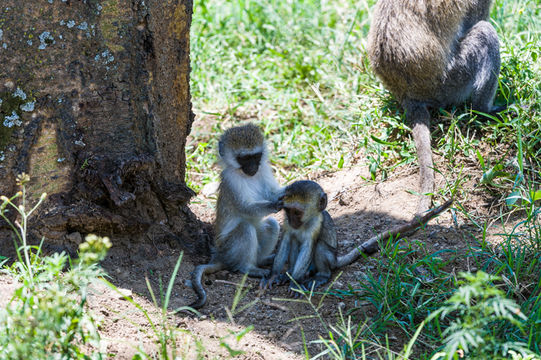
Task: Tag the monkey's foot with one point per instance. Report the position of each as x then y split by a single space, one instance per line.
296 290
315 282
495 113
269 282
497 109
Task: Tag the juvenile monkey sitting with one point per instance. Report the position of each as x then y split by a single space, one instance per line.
309 243
309 240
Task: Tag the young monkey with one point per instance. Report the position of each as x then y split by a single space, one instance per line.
248 193
309 242
309 239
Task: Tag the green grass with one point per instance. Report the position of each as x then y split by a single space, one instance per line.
300 70
47 317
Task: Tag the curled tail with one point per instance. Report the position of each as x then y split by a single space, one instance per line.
197 275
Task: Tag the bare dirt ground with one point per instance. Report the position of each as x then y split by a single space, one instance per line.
360 209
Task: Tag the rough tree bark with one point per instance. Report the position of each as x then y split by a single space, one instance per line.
95 106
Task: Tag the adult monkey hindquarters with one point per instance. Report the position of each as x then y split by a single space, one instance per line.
434 53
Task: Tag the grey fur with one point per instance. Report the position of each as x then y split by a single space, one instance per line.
245 239
434 53
311 248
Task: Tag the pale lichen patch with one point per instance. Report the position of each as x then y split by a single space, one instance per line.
48 174
112 16
178 25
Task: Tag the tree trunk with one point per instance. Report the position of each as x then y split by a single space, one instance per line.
95 107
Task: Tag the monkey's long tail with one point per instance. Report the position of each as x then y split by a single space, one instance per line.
371 246
197 275
419 118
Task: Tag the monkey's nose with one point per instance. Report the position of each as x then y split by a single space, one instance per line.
250 170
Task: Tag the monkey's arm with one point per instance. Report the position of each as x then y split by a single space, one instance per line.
293 254
277 193
281 255
328 231
259 208
302 264
246 203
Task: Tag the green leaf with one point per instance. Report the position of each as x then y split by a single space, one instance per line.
383 142
245 331
341 162
481 160
512 198
535 195
494 173
232 352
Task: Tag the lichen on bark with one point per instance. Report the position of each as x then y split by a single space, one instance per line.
112 111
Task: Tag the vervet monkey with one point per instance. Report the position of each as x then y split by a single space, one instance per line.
434 53
309 241
248 192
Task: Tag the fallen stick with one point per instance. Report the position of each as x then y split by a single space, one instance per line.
274 305
370 246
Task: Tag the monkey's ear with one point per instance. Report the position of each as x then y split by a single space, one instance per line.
322 201
221 149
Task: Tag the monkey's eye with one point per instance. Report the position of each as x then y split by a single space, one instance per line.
249 159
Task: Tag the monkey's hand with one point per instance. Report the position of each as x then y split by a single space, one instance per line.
269 282
278 204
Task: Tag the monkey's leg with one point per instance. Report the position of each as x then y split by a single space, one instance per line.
476 66
239 250
254 271
267 261
267 237
486 80
417 114
279 263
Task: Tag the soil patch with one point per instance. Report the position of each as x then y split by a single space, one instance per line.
360 209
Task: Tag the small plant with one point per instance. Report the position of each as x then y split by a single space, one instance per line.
20 226
46 318
482 314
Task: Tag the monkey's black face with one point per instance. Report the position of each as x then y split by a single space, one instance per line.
294 217
250 163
